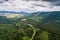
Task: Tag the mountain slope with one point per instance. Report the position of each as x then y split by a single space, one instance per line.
48 21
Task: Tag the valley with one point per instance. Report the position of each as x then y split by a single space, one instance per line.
34 26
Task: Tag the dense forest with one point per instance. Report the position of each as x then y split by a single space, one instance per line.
34 26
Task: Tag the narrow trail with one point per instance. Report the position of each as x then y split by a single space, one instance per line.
34 31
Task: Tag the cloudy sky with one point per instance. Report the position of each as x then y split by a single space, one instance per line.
30 5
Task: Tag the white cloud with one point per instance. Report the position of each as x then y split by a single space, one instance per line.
19 5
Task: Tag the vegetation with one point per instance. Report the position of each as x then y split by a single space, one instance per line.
36 26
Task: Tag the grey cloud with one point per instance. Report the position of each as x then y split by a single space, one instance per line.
31 0
57 3
5 0
2 1
40 5
53 2
42 0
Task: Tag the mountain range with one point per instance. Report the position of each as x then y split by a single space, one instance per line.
49 21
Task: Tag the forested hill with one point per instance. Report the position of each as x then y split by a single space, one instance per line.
49 21
34 26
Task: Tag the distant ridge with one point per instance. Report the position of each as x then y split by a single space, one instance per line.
10 12
14 12
24 12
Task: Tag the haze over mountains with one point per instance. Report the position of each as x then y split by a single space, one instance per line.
13 13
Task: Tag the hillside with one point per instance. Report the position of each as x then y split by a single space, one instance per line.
49 21
34 26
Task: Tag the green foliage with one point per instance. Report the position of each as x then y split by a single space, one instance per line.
26 38
44 36
6 33
31 27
